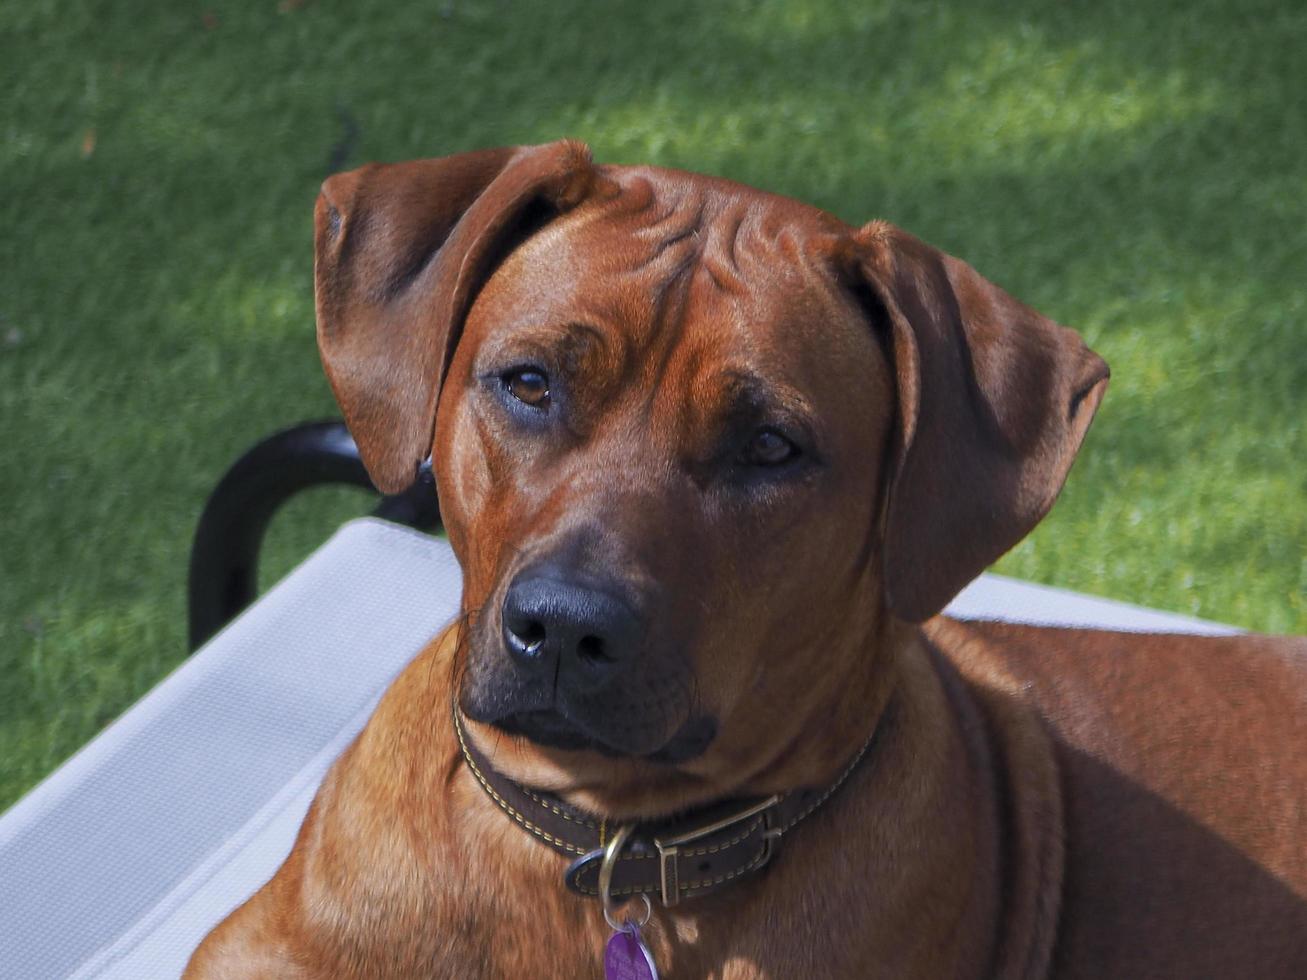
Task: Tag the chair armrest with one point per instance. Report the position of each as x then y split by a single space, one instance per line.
224 560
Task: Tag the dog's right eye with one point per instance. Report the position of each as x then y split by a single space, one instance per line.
530 386
769 448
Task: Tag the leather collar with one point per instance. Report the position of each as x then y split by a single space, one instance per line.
681 857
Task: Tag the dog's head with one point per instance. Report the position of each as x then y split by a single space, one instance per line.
695 444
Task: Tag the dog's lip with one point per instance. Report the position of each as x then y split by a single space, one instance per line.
551 729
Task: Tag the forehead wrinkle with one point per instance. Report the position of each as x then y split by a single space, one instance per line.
748 246
675 242
683 209
677 234
718 259
669 321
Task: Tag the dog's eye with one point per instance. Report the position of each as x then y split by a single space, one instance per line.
529 386
769 448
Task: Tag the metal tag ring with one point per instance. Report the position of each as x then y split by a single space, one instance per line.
612 851
622 926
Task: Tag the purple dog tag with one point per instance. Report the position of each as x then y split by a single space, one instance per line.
627 957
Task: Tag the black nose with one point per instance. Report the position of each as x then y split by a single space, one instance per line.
584 634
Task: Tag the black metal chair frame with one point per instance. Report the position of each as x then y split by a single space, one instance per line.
225 552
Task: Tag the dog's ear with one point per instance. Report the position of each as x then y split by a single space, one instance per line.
993 403
400 250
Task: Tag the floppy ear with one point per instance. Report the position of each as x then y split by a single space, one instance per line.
993 403
399 252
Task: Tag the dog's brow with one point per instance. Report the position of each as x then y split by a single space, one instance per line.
747 396
564 345
578 342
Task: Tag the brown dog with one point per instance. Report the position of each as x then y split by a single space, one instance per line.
713 462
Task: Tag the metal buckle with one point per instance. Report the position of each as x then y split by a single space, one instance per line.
669 848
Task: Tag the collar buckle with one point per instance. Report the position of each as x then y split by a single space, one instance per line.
669 848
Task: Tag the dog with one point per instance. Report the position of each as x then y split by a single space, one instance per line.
713 462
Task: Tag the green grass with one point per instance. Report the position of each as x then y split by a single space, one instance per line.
1132 168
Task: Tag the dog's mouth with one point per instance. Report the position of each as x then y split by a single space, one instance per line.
551 729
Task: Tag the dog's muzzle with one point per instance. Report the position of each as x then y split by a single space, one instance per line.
572 665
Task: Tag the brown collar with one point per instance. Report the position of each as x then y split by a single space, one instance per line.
681 857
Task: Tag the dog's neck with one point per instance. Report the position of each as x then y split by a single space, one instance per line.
812 744
928 789
685 856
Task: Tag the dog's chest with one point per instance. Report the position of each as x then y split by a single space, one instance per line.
786 922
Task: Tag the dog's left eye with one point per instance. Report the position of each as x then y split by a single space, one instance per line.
530 386
769 448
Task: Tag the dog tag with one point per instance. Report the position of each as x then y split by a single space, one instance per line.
627 957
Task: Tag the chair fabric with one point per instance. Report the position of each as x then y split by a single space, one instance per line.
119 863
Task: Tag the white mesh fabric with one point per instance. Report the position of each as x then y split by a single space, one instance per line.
119 862
1011 600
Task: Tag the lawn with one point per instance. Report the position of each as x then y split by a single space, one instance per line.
1135 169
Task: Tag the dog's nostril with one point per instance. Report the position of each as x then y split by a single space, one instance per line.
591 649
532 636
